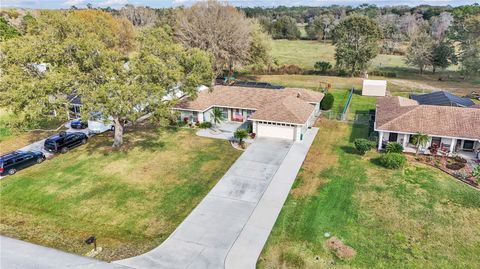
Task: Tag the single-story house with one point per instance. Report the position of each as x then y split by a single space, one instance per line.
477 106
442 98
374 87
281 113
452 129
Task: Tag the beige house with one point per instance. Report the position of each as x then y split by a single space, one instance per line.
452 129
374 87
280 113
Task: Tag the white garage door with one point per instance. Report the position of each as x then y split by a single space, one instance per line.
277 131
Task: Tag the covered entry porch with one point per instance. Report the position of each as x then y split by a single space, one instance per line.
446 145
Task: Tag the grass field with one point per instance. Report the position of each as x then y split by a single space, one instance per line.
305 53
417 217
130 199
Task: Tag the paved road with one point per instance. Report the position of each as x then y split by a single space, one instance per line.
16 254
222 229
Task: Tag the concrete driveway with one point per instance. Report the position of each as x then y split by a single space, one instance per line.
242 201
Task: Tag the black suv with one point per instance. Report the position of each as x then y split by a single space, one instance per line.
64 141
17 160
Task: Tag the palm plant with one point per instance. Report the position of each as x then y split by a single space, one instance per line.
420 140
241 134
217 115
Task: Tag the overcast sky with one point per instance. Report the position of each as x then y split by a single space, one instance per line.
169 3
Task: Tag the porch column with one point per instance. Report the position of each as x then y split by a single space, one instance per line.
452 145
380 139
229 114
405 141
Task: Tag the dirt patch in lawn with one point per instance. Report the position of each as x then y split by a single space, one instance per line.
340 249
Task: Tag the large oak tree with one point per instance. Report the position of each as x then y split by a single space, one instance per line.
218 28
97 56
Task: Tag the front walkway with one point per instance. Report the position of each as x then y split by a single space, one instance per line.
16 254
229 227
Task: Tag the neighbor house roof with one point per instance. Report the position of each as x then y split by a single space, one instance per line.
475 106
405 115
442 98
289 105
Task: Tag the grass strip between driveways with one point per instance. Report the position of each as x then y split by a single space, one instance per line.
417 217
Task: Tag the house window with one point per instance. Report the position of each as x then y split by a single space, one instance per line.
468 144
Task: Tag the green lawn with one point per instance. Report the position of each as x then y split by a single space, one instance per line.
305 53
131 199
417 217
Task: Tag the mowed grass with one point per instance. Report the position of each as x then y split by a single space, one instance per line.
131 199
305 53
417 217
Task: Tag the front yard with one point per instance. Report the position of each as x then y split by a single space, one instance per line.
130 199
417 217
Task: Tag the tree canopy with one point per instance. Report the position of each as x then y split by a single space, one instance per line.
356 43
101 58
218 28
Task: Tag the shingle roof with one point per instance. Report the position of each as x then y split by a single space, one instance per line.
290 109
404 115
475 106
285 105
442 98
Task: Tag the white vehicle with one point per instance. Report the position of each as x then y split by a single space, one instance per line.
99 124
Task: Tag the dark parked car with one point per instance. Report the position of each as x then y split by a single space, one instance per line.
17 160
78 124
65 141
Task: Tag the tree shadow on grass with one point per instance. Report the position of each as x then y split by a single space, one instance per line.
349 150
376 162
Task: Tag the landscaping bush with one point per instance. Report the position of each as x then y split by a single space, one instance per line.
363 145
322 66
455 166
205 124
459 159
327 101
392 160
394 147
476 173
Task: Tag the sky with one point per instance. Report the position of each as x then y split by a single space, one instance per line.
56 4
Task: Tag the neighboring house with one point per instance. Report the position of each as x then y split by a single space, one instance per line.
374 87
442 98
475 106
452 129
281 113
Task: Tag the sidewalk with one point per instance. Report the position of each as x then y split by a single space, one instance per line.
16 254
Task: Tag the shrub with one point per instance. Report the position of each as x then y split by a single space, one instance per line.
363 145
476 173
394 147
392 160
322 66
240 134
327 101
459 159
455 166
205 124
